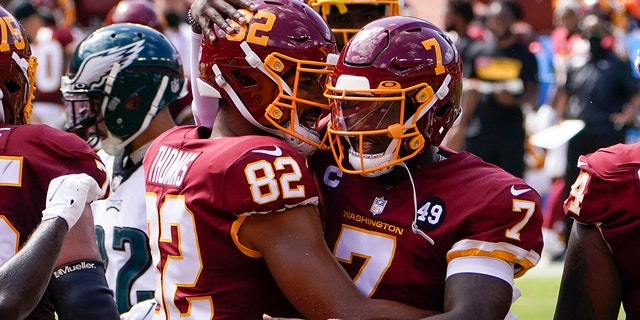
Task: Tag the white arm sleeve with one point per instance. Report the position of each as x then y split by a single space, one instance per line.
204 108
483 265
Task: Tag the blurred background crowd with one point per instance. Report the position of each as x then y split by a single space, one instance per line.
546 80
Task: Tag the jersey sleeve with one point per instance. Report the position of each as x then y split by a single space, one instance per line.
61 153
268 178
508 227
606 189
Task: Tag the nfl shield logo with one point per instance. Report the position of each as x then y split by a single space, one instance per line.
378 205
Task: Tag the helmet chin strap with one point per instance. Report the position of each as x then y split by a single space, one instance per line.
22 63
255 62
237 102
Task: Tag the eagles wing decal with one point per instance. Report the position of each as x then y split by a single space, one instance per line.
99 64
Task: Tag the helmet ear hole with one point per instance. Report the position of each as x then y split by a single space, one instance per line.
12 86
444 109
133 102
244 80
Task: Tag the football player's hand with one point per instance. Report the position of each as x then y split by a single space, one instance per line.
67 196
203 12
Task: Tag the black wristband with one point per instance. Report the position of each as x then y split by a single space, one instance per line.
195 27
79 290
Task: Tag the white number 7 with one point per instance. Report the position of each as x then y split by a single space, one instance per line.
518 206
376 248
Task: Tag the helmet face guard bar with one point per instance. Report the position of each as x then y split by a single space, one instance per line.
297 110
83 114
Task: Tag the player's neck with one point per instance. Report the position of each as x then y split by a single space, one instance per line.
159 124
230 123
428 156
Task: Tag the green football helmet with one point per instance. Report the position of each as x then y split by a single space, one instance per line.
121 74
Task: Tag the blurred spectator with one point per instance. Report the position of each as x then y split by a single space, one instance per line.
458 19
28 16
601 91
520 27
502 81
567 46
174 13
63 11
564 37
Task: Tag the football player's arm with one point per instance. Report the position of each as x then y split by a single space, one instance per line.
481 288
588 258
463 301
470 296
203 12
78 285
292 244
24 277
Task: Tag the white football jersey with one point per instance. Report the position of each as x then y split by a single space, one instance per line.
122 234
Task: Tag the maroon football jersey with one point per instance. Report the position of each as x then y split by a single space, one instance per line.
199 192
30 157
465 207
607 194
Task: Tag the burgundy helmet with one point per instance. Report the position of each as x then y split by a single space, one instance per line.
267 69
17 71
395 89
135 11
91 13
